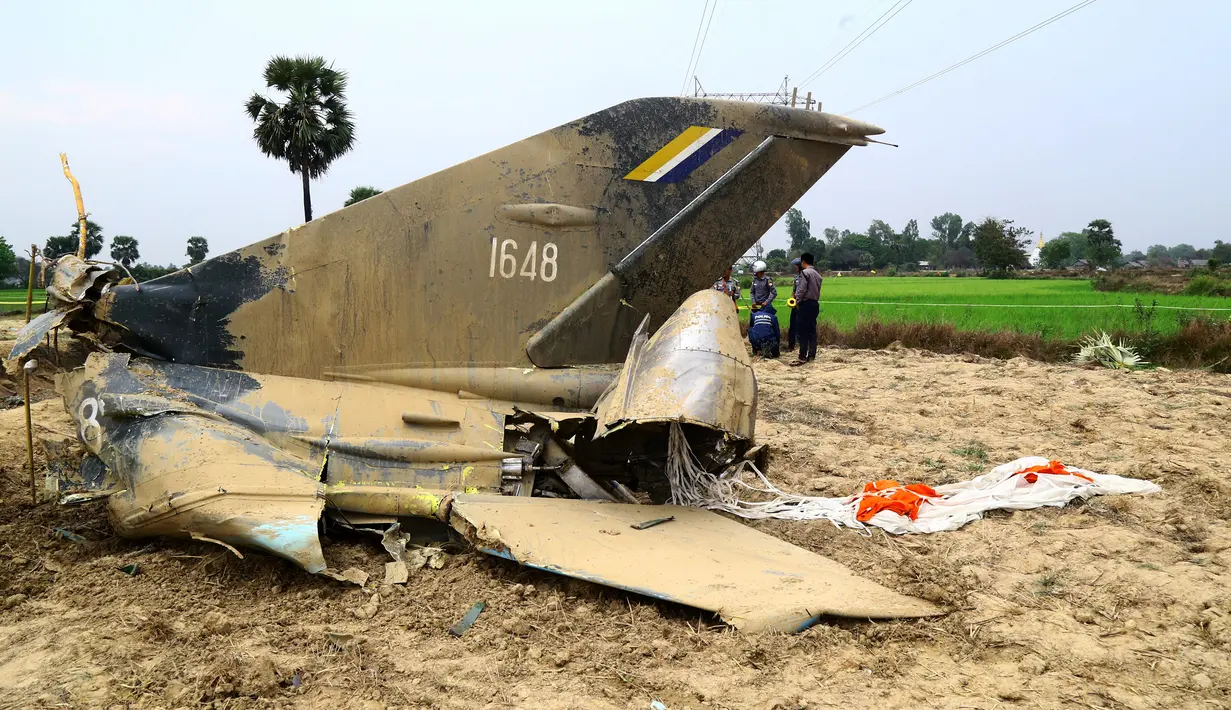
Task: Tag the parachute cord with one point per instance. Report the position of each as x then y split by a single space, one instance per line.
692 485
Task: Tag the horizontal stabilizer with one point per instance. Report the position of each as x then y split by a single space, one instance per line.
698 558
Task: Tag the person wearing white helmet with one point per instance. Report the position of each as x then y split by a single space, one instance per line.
763 291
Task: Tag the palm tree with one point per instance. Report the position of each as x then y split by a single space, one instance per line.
360 194
124 250
313 127
198 249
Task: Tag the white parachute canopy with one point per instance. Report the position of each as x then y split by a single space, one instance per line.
1030 482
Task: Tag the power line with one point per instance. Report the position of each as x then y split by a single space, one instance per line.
985 52
704 36
693 53
859 39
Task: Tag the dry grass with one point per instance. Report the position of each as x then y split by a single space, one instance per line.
1199 344
814 415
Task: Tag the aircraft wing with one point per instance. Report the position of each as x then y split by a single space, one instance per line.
755 582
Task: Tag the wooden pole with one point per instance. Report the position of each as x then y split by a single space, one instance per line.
794 93
25 371
81 222
29 433
808 101
30 282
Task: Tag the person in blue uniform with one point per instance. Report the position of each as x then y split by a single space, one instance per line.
763 331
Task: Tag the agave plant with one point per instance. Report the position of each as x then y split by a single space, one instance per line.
1100 350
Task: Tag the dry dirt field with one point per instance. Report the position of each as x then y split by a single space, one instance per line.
1116 603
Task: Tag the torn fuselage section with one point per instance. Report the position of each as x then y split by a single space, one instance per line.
253 460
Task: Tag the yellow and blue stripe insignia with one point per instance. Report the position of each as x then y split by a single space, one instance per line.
684 154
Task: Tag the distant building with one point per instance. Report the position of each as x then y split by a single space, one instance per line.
925 266
1136 264
1036 255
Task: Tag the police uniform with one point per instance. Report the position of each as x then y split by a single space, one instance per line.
791 333
730 286
763 291
807 302
763 332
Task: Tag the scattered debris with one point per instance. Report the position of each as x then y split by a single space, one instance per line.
70 536
396 573
367 611
132 570
652 523
394 542
420 557
354 575
13 600
657 705
463 625
339 641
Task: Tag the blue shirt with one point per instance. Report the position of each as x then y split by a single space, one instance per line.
763 326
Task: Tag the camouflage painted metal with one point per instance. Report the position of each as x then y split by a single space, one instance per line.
695 370
450 350
485 264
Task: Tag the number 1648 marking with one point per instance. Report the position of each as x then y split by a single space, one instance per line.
546 264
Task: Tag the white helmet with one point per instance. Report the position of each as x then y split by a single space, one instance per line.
758 267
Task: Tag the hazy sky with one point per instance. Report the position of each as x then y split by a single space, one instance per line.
1118 111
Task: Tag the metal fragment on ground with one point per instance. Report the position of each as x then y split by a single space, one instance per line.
651 523
755 582
463 625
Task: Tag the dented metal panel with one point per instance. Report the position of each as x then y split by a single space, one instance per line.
695 369
753 581
29 337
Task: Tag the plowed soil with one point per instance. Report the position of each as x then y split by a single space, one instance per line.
1116 603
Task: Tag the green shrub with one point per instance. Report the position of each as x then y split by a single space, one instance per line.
1208 285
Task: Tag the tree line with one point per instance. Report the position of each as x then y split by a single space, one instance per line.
1072 248
993 245
125 250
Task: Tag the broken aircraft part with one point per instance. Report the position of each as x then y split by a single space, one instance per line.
753 581
368 364
546 252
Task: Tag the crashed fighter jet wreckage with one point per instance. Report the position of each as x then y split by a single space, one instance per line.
451 350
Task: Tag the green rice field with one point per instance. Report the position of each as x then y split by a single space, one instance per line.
14 299
1050 308
1038 306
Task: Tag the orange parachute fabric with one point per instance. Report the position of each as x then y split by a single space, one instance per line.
1053 467
894 497
906 500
